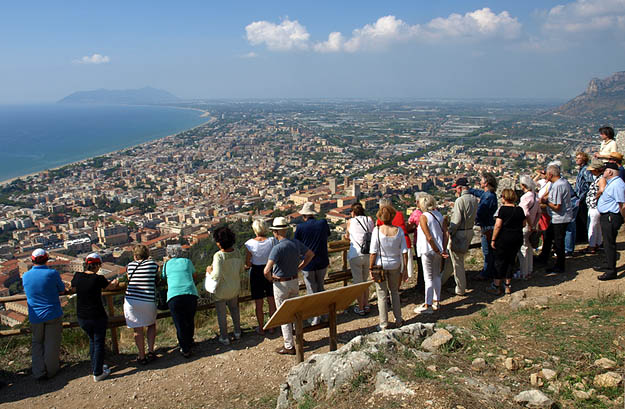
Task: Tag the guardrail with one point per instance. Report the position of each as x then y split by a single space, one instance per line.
115 321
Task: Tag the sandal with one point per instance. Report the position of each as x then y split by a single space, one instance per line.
494 289
151 356
140 361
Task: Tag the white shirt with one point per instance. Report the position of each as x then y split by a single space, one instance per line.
435 225
357 234
260 250
390 248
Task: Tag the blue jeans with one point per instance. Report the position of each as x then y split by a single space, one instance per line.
571 230
96 331
487 251
183 309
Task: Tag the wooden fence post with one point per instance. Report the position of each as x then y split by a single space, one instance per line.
114 343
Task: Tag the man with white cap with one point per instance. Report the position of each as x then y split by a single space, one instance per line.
285 260
43 286
314 234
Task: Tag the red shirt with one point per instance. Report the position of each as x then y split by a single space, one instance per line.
398 221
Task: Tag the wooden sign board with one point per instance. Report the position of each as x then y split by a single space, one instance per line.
312 305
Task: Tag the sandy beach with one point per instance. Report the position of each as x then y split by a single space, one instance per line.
205 114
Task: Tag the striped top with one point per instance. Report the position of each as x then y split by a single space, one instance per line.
141 280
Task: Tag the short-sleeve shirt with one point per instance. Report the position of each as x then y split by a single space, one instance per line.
613 194
314 234
287 255
607 147
260 250
42 286
141 280
560 194
89 291
512 218
398 221
179 275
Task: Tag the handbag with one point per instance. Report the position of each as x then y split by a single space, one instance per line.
160 295
209 284
534 237
377 272
366 242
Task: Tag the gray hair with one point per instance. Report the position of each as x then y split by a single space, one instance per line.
554 170
417 195
174 251
385 202
528 182
260 228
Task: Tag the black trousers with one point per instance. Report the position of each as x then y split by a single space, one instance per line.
610 225
554 237
183 309
582 223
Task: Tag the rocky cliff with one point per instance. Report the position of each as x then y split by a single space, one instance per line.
602 97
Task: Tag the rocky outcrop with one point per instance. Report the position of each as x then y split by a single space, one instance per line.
332 370
602 96
534 399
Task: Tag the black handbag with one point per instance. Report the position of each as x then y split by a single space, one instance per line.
160 294
377 272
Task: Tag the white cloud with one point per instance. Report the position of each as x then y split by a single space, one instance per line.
385 31
251 54
586 15
287 35
94 59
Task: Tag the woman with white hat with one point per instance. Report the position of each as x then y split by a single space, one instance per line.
92 317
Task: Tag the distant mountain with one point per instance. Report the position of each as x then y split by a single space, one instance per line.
147 95
605 97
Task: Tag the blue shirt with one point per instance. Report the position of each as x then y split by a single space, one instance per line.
314 234
487 207
287 255
179 275
613 194
582 184
42 286
560 194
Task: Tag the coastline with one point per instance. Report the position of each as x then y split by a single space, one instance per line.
205 114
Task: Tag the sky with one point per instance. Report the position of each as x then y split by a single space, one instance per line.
315 49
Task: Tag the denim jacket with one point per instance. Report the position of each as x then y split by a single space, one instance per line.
486 208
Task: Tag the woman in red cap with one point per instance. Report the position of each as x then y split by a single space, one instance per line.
92 317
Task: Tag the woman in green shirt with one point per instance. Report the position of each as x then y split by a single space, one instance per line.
228 265
181 296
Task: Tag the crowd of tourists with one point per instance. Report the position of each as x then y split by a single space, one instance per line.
545 213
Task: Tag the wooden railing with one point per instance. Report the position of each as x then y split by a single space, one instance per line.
115 321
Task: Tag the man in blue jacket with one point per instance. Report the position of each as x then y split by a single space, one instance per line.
485 218
43 286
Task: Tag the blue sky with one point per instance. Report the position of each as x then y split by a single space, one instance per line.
320 49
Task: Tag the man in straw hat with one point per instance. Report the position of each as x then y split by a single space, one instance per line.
285 260
611 206
314 234
43 286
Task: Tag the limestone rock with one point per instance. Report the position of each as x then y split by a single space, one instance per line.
437 340
478 364
387 384
534 398
607 380
581 395
535 379
511 364
454 369
548 374
431 368
605 363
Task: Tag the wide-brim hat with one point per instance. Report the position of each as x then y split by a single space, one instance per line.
616 156
596 164
308 209
280 223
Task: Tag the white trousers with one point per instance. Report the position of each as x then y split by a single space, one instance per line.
432 277
526 255
594 228
282 291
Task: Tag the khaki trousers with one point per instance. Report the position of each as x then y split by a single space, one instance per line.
282 291
46 347
390 285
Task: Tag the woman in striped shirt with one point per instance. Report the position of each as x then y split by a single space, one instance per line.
139 303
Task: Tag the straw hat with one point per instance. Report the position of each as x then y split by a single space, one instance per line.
280 223
308 209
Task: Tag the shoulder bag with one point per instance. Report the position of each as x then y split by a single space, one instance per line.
366 241
377 272
209 284
441 250
534 237
160 295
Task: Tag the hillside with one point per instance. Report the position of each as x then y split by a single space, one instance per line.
147 95
603 97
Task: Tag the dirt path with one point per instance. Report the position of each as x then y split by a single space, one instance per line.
248 373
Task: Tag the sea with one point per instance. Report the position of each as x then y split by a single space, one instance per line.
39 137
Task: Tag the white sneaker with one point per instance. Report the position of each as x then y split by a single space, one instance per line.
423 309
224 341
105 373
436 306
